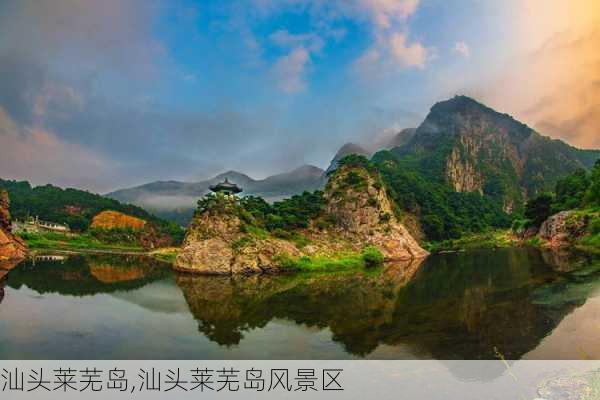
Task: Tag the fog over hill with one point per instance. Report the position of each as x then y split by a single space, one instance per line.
461 143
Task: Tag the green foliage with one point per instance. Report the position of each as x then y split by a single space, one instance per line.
372 256
115 236
576 191
442 212
73 207
355 160
484 240
570 191
520 224
55 240
339 262
538 209
282 216
592 195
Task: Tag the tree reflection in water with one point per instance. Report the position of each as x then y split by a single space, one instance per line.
460 306
452 306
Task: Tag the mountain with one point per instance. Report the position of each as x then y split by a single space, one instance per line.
347 149
474 148
177 200
401 138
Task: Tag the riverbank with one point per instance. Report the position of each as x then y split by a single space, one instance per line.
485 240
76 243
589 243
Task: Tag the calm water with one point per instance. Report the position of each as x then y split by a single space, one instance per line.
521 302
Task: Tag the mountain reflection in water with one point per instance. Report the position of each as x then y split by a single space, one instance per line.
452 306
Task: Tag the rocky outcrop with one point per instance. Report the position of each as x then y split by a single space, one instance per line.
358 212
563 228
363 214
116 220
477 149
462 173
12 247
216 244
135 229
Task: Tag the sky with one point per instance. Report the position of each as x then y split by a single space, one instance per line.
108 94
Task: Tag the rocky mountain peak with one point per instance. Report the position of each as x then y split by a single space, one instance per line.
346 149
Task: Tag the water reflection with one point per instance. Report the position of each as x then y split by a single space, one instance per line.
463 306
453 306
80 275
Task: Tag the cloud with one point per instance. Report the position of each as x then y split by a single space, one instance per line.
41 157
462 48
408 55
392 53
289 70
555 88
385 19
385 13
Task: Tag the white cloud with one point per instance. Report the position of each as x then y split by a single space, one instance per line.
408 54
385 12
393 52
462 48
290 69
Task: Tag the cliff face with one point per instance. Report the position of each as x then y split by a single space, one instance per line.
476 149
11 247
216 244
357 206
363 214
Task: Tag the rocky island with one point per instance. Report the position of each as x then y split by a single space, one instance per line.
354 219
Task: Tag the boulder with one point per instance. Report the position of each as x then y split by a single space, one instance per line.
562 228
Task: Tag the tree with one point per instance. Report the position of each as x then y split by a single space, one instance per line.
538 209
592 195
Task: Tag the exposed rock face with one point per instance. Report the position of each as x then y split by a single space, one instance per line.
359 204
562 228
356 202
213 246
476 149
11 247
460 168
116 220
143 232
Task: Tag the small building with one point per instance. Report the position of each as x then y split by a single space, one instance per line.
226 188
36 225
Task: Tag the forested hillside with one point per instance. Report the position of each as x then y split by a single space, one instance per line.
73 207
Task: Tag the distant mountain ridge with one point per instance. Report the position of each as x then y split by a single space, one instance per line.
177 200
461 143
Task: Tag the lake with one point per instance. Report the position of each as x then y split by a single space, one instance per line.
520 303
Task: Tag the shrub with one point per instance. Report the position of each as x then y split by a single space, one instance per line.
594 226
538 209
519 225
372 257
385 217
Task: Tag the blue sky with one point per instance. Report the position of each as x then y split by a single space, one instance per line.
108 94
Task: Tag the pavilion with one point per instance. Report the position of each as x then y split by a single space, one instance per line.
226 187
